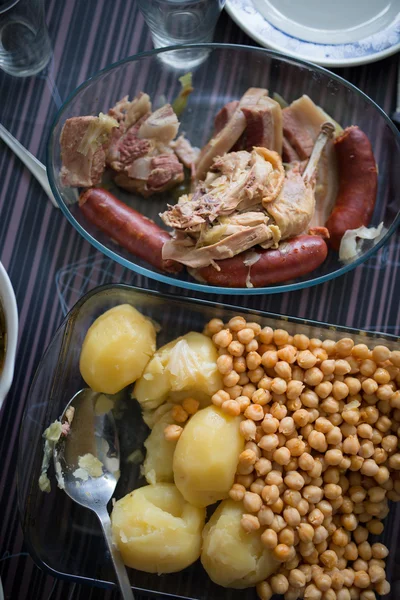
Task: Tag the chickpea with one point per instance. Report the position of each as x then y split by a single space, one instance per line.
309 399
323 582
395 400
266 335
281 553
243 379
330 405
261 397
269 359
312 592
223 338
239 362
333 457
270 494
225 364
339 390
382 588
341 537
334 437
292 516
213 326
269 441
380 354
252 502
351 416
351 552
360 351
300 417
349 521
361 579
179 414
236 349
279 411
297 578
364 431
248 429
317 441
265 515
287 354
278 523
247 457
278 385
282 456
250 523
172 432
262 467
234 391
294 480
367 595
237 492
253 360
379 550
274 478
254 412
313 376
369 386
264 590
283 370
384 393
231 407
306 462
286 536
369 467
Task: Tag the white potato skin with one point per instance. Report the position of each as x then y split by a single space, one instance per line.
185 367
232 557
206 456
156 530
116 349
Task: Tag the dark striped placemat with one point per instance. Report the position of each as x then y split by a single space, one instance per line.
50 265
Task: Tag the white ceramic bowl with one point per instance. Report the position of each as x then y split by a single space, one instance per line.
9 306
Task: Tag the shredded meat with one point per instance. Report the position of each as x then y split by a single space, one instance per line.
226 248
151 174
161 125
237 182
229 135
184 150
302 121
81 169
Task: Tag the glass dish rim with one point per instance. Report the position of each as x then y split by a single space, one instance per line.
201 302
199 287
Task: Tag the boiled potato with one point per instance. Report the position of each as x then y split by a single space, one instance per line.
185 367
232 557
116 349
206 456
157 466
156 530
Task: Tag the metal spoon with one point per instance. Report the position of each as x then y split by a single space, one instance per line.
96 434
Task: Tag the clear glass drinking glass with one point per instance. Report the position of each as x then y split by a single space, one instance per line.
173 22
25 47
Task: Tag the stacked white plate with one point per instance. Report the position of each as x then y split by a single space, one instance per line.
332 34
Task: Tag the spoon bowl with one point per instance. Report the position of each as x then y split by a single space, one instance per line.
86 462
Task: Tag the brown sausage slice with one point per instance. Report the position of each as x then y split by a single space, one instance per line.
358 182
133 231
293 258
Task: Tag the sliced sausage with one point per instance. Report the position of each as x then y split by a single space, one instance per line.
293 258
133 231
358 182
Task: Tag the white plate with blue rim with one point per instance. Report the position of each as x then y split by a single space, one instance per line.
342 33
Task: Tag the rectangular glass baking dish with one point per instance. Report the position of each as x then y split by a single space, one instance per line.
64 538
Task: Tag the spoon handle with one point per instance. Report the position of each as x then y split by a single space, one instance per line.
120 569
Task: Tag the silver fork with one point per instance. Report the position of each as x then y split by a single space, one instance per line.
37 169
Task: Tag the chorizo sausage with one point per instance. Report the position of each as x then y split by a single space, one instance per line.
358 182
293 258
133 231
